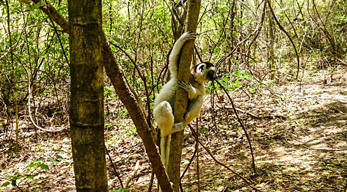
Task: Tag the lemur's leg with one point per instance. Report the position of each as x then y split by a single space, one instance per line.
165 119
194 109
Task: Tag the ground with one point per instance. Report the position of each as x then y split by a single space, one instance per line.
298 131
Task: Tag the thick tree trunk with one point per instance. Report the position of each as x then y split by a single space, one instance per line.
86 111
114 72
181 95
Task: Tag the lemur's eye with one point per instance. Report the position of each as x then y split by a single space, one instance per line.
201 67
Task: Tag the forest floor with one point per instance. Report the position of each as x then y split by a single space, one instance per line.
298 132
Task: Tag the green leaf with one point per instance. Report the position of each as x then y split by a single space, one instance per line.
44 166
31 165
29 176
239 73
5 184
217 50
53 160
39 4
119 190
14 182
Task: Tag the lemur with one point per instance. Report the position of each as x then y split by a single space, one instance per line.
165 101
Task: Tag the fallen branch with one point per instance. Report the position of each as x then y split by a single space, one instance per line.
132 175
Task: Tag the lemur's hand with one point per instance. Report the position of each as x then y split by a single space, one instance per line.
185 86
189 35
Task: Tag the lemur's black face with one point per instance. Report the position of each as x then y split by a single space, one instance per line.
205 72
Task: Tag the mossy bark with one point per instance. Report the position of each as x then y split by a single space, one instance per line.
86 107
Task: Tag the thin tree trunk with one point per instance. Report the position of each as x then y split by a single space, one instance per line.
14 76
181 95
271 55
233 33
86 111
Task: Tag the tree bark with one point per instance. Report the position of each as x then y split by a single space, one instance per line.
86 108
181 95
119 82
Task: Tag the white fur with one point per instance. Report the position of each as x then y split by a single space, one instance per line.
164 102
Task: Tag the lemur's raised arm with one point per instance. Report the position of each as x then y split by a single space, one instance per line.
175 53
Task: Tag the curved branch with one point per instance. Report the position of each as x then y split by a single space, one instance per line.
142 78
284 31
243 127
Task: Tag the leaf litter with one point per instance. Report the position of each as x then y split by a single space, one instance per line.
298 132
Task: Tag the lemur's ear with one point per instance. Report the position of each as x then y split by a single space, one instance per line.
195 68
201 67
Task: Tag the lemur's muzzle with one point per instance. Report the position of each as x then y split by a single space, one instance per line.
211 75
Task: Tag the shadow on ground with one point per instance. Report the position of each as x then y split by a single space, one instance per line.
311 152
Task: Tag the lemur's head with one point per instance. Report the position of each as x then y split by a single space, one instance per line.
204 72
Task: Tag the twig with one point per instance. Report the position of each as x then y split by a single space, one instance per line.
151 181
29 106
259 27
143 78
190 162
186 169
225 166
243 127
114 167
19 188
221 60
56 31
221 34
13 73
197 154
